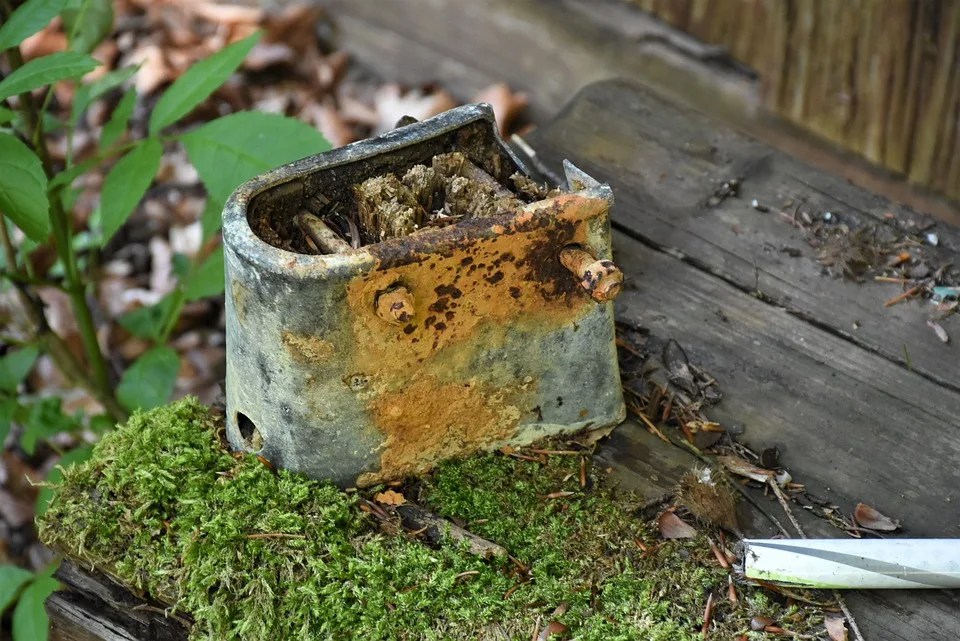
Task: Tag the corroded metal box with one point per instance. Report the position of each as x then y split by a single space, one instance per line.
386 354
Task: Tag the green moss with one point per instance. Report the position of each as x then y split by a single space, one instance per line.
164 508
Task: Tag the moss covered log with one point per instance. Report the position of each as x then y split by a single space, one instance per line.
253 553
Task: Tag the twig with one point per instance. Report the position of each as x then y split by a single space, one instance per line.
905 295
275 535
836 593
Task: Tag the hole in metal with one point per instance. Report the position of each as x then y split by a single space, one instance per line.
252 439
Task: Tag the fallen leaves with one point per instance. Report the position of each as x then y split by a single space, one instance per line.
672 527
836 628
871 519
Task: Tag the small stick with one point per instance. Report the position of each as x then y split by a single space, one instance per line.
326 240
583 472
905 295
707 616
438 528
275 535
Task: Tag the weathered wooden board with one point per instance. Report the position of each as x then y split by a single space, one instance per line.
91 607
665 161
876 76
549 49
852 422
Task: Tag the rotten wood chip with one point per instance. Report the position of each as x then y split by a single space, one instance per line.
672 527
390 497
836 628
868 517
741 467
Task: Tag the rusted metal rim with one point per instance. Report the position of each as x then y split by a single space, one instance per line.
238 234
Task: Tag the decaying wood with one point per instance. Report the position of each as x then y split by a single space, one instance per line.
852 423
91 607
436 528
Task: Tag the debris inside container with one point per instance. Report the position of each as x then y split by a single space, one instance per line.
393 205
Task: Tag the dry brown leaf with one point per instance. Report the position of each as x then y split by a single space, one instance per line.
266 54
392 104
553 630
740 467
390 497
506 104
672 527
868 517
154 71
326 118
835 628
47 41
759 623
223 13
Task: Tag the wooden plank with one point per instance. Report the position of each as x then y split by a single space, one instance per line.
851 425
92 607
665 161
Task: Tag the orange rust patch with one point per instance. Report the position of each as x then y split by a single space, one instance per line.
469 301
306 349
429 421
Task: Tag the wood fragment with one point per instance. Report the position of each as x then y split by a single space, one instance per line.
905 295
275 535
326 240
437 528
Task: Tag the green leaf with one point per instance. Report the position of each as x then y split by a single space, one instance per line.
119 119
8 407
45 420
28 19
47 70
102 423
89 92
15 366
237 147
147 322
149 381
6 115
212 217
55 475
23 188
12 579
126 184
30 621
87 23
208 280
67 176
199 81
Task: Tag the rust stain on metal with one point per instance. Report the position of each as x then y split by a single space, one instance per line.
307 349
429 420
469 293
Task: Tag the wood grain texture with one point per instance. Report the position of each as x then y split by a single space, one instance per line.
664 162
877 77
853 423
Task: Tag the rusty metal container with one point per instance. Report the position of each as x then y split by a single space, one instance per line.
378 361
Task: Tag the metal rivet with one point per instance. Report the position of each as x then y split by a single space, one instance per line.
601 278
395 305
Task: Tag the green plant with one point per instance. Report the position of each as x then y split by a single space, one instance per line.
37 196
